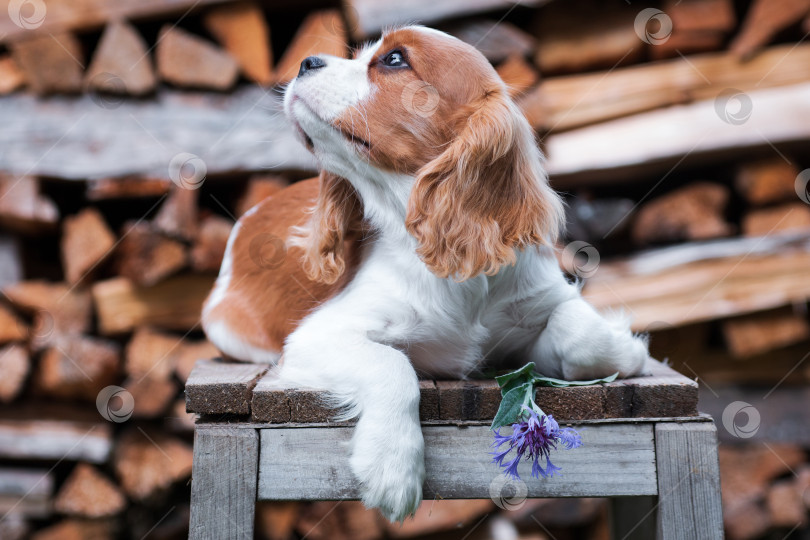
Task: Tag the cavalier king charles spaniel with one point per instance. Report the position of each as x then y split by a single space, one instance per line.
425 247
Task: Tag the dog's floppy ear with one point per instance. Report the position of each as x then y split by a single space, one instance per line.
485 196
336 220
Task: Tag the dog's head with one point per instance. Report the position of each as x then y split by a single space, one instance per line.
424 105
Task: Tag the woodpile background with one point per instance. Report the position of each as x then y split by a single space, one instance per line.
132 134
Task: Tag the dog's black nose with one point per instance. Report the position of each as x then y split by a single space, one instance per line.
311 63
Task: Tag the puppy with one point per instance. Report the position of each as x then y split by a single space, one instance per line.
424 247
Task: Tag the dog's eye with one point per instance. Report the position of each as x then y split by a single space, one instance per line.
394 59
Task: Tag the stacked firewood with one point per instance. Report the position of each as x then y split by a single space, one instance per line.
134 134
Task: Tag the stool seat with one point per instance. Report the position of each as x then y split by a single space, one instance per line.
644 443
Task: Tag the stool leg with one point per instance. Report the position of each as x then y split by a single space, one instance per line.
223 482
632 518
688 481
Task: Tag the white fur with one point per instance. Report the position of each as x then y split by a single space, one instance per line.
395 318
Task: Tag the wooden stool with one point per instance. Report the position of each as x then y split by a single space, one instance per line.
644 445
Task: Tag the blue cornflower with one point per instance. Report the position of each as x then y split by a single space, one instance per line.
534 438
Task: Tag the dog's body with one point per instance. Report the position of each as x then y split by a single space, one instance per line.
423 248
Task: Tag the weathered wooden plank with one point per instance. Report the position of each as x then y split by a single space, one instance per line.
84 137
468 400
223 484
26 492
458 464
645 144
216 387
55 440
274 405
369 17
688 482
662 394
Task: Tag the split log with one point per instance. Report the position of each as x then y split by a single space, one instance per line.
12 328
518 75
767 181
704 281
783 218
350 520
149 463
748 470
322 32
241 28
88 493
11 270
367 18
189 353
258 189
121 64
151 395
78 367
145 256
694 212
173 304
764 19
687 43
77 529
152 353
276 519
14 527
11 76
569 42
57 309
497 40
181 421
785 505
41 438
209 247
74 138
561 103
177 216
652 143
441 515
22 208
186 60
14 365
86 242
697 26
128 187
25 492
91 14
51 63
758 333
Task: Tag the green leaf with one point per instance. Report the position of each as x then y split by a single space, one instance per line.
516 378
559 383
512 403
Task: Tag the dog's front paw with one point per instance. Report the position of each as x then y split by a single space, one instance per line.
391 470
